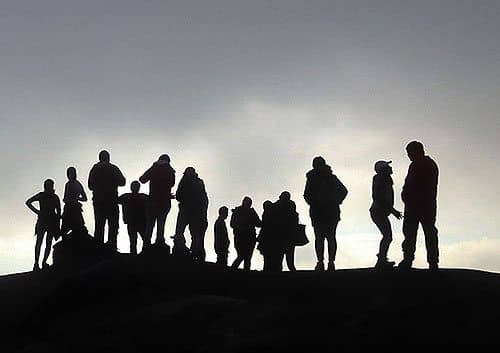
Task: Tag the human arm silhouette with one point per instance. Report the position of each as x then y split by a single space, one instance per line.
29 203
58 207
82 196
120 179
341 191
144 178
91 179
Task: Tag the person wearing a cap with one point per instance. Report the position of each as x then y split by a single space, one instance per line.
383 206
419 196
161 178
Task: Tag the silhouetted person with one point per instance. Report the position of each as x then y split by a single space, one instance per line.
383 206
104 180
134 205
193 205
221 238
270 245
49 215
74 194
286 228
161 178
244 219
324 193
419 196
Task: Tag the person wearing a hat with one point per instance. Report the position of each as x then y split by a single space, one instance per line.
383 206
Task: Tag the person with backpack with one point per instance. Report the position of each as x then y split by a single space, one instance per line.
324 193
244 219
383 206
48 221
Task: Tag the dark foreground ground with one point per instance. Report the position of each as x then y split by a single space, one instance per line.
160 305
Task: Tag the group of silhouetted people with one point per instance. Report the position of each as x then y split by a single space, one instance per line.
279 229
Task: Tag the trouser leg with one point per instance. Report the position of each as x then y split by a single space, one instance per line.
113 224
150 224
431 237
198 228
290 258
132 234
410 228
100 221
384 225
332 243
319 244
160 227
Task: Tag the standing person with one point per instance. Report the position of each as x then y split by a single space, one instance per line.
49 215
383 206
270 245
419 196
74 194
243 221
104 180
286 227
324 193
134 214
221 238
161 178
193 206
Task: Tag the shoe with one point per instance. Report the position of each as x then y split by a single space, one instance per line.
381 264
319 266
45 265
331 267
433 266
36 267
405 264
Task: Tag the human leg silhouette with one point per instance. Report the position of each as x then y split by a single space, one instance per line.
48 248
410 229
132 234
290 258
99 223
113 224
431 239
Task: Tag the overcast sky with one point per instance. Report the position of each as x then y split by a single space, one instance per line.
248 92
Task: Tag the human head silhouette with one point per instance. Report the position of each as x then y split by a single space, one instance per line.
190 172
104 156
383 167
48 185
318 162
415 150
135 186
267 205
165 158
285 196
71 173
223 212
247 202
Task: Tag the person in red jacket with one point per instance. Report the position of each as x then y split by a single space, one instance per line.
420 198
